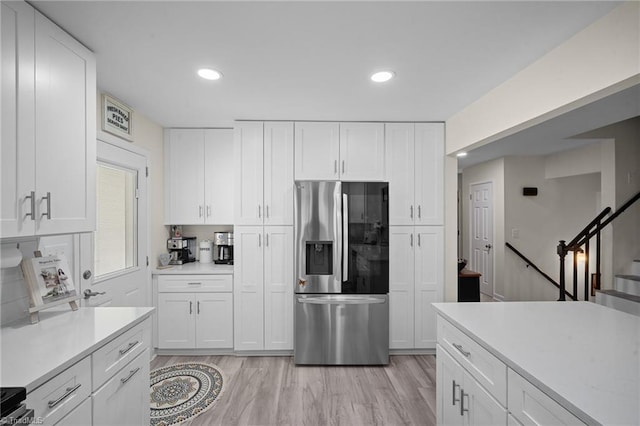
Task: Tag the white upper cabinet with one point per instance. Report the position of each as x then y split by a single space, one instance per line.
362 153
198 170
415 155
340 151
48 160
317 151
263 173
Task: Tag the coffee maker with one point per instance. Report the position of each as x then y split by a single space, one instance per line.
181 250
224 247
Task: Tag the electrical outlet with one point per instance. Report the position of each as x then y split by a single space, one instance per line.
515 233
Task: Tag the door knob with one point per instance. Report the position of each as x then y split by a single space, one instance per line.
86 274
88 293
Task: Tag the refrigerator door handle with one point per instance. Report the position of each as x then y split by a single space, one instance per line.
340 300
345 237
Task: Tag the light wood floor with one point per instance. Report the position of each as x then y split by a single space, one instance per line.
273 391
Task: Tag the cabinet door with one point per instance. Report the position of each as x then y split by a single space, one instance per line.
214 320
429 174
124 400
184 176
401 287
317 151
362 153
65 132
399 144
248 154
218 176
429 281
17 173
80 416
278 173
248 290
449 378
176 326
479 407
278 287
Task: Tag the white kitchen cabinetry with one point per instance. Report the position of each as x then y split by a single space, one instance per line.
340 151
195 311
415 170
263 291
416 280
263 173
48 163
198 170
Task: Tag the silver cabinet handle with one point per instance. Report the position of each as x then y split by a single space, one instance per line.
67 393
461 350
411 212
455 385
266 240
190 308
129 347
198 308
259 240
48 198
343 166
335 166
411 240
259 211
32 198
418 240
131 374
199 211
419 211
266 211
462 395
194 283
208 210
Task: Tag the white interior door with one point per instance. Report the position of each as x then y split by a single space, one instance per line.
481 228
116 253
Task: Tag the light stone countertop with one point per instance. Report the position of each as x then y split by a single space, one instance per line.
583 355
195 268
34 353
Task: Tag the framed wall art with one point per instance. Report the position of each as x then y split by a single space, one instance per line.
117 118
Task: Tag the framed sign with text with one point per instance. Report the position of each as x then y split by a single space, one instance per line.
117 118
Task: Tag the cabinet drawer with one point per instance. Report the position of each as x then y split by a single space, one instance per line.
488 370
80 416
195 283
530 406
124 399
110 358
64 392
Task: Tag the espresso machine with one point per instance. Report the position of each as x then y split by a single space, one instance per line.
223 247
181 250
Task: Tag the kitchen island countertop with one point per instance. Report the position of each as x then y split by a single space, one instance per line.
584 356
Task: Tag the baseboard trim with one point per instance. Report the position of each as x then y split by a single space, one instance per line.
412 352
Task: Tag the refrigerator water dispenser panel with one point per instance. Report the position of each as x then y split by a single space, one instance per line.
319 258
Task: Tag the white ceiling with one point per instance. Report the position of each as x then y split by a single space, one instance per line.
311 60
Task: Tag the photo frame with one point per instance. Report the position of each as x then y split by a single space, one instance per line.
49 283
116 118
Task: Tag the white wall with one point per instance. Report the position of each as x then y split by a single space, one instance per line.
602 59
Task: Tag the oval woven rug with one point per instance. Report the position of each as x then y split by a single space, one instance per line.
182 391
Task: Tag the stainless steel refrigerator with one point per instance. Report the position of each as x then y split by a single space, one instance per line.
341 311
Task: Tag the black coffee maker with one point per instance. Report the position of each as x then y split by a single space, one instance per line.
181 250
224 247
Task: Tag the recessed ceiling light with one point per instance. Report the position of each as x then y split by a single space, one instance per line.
382 76
461 154
209 74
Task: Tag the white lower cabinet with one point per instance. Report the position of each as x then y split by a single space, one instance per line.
263 290
119 401
416 281
195 312
80 416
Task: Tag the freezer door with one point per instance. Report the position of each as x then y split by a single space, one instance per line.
341 329
318 237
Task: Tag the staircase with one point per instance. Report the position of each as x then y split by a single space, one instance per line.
625 295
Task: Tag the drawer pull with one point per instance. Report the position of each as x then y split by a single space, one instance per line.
131 374
462 395
68 392
128 348
198 283
461 350
454 393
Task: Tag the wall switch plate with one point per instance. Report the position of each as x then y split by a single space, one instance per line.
515 233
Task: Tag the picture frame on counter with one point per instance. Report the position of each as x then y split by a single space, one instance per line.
49 283
116 118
